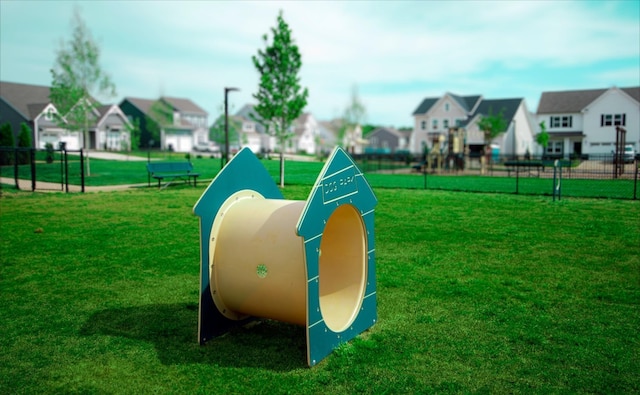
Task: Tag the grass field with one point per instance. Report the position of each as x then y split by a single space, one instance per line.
476 293
108 172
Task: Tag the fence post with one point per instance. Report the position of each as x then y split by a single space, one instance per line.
517 175
15 168
635 180
425 177
32 163
81 170
66 169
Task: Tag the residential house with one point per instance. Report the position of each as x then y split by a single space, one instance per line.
253 133
334 133
387 140
182 123
435 116
583 122
31 104
138 111
305 135
110 129
327 137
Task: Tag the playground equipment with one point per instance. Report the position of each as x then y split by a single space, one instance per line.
309 263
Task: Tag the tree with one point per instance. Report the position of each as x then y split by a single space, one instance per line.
76 76
24 141
354 115
492 126
6 135
134 133
6 140
280 97
160 115
542 138
216 131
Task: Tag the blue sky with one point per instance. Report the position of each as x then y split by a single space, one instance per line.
395 53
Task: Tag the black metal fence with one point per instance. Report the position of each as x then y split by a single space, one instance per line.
601 176
42 169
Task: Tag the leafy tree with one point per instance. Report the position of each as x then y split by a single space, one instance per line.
354 115
543 137
280 97
492 126
216 131
24 141
6 140
134 133
160 116
76 76
6 135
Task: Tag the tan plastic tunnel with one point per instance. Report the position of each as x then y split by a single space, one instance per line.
257 262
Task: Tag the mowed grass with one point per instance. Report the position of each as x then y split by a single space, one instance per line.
109 172
476 293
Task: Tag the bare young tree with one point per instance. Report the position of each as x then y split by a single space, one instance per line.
76 77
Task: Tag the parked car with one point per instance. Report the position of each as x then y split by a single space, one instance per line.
629 153
206 147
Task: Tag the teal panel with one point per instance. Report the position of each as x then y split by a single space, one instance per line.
340 182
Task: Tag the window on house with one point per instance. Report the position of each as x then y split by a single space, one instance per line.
555 147
445 123
613 119
435 124
48 115
423 125
446 107
459 122
565 121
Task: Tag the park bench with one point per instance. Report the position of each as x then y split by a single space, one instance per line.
527 165
171 171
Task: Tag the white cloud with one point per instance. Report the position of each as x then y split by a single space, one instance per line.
397 52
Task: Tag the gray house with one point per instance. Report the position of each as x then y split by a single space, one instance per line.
387 140
30 104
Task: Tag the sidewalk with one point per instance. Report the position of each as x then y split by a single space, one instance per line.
41 186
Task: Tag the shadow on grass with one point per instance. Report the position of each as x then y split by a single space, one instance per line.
173 329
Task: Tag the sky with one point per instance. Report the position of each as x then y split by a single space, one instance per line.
392 53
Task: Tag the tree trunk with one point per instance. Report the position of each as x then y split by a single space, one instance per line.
86 139
283 141
282 168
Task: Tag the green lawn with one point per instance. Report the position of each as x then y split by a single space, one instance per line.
107 172
489 293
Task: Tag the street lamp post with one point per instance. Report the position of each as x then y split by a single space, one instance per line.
226 124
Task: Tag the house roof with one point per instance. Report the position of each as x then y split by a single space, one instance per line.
466 102
575 101
184 105
391 131
144 105
248 113
426 105
25 98
494 106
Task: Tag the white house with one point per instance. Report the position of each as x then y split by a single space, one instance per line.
584 121
189 127
306 132
436 115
